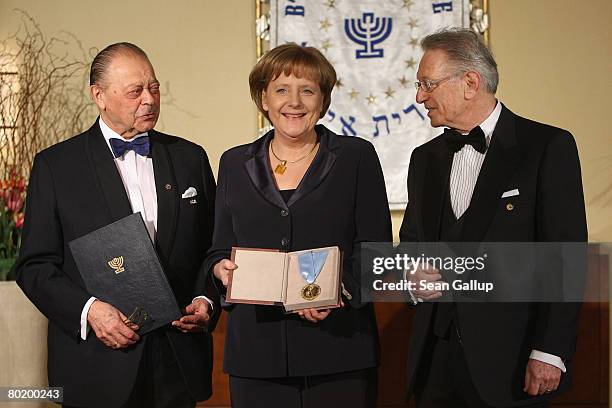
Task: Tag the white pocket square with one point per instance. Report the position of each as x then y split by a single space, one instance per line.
510 193
190 192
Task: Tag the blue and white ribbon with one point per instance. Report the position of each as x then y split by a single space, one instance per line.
311 264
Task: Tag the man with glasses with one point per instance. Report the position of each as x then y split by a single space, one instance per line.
497 177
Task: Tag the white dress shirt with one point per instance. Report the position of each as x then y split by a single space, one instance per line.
466 167
138 178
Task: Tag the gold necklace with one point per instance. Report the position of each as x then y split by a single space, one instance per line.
282 166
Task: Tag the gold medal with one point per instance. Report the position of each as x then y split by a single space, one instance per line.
311 291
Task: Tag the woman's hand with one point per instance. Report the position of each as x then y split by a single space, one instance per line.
222 270
314 315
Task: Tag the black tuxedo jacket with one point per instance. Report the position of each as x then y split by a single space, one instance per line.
75 188
340 201
541 161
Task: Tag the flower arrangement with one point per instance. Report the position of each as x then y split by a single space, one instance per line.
12 200
43 99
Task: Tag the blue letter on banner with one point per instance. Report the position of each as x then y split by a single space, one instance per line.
440 7
294 11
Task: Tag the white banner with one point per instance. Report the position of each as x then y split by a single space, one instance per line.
374 47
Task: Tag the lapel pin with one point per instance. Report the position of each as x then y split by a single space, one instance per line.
168 187
509 207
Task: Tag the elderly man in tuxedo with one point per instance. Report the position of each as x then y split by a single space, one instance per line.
121 165
493 176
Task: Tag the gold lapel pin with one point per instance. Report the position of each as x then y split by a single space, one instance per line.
509 207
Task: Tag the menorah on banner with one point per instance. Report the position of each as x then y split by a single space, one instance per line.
368 31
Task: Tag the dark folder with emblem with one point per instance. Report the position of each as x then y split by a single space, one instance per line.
120 266
310 278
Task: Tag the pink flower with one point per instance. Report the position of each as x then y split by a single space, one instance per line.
15 202
18 218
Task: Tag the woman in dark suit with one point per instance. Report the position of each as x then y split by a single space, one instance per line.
300 186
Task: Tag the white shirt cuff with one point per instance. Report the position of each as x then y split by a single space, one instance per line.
346 293
212 306
84 324
548 358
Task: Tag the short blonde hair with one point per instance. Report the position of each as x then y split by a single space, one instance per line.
303 62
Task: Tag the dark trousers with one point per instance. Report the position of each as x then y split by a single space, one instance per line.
355 389
159 382
443 378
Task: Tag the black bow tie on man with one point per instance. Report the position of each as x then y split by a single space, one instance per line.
456 140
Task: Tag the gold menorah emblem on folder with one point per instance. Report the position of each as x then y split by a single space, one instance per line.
117 264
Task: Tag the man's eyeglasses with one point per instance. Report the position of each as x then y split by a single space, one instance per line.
429 85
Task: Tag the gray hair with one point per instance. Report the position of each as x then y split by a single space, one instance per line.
102 61
465 49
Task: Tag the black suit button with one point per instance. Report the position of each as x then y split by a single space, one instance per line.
284 213
285 242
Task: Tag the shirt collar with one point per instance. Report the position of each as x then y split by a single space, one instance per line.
109 133
488 126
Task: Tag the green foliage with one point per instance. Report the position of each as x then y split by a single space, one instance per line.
12 199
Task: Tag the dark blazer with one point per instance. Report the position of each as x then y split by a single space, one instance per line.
340 201
75 188
542 162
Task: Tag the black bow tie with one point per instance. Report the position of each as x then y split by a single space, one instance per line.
456 140
139 145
